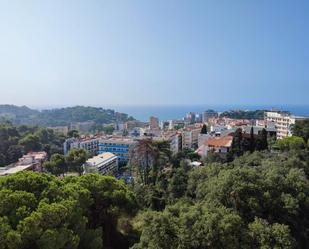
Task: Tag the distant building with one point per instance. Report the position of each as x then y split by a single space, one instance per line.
190 137
117 145
82 126
199 118
202 138
282 122
176 124
88 143
153 123
190 117
130 125
60 129
209 114
105 163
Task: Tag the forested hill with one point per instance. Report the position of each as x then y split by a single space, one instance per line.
61 116
241 114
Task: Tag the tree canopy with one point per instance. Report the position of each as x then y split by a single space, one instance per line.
41 211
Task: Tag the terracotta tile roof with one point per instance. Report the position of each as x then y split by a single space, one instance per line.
225 141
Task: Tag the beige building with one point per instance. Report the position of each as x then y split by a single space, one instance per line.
215 144
190 137
153 123
282 121
32 161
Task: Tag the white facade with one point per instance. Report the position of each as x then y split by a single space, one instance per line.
282 122
104 163
91 145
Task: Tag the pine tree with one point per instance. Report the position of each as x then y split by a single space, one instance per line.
204 129
252 140
237 142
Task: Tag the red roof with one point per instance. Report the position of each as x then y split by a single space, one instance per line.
225 141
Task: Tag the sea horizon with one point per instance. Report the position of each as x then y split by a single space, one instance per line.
169 112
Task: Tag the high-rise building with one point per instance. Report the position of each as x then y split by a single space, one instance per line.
190 117
209 114
190 137
153 123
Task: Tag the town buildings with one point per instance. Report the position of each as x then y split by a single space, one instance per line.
105 163
119 146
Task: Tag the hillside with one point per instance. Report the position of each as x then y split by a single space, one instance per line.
241 114
59 117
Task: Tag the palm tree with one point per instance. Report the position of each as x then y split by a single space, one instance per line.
142 155
149 158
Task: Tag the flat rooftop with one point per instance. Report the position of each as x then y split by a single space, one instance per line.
15 169
101 158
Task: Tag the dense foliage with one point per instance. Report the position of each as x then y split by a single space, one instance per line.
41 211
241 114
257 200
301 129
18 140
62 116
260 200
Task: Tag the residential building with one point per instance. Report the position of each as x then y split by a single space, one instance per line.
153 123
119 146
202 138
176 124
190 118
282 122
105 163
88 143
190 137
215 144
130 125
209 114
35 158
32 161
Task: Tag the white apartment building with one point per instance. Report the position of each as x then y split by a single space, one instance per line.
282 122
90 144
105 163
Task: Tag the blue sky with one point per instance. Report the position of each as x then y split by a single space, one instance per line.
158 52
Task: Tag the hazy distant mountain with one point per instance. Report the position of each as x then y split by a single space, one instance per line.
60 116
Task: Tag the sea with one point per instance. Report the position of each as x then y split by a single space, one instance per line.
143 113
169 112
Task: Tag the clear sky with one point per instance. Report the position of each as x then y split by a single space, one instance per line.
156 52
